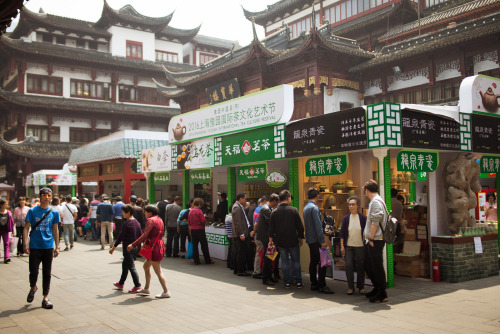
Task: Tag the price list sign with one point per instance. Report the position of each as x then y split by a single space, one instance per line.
485 134
335 132
423 130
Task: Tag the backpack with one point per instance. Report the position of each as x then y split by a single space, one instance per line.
389 233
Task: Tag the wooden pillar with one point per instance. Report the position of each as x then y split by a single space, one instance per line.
21 76
21 123
114 82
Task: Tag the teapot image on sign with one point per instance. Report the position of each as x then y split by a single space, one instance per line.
179 131
490 99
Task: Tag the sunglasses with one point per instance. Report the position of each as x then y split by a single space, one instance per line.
46 195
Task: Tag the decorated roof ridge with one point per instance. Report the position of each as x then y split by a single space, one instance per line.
443 6
31 148
91 57
433 41
446 15
272 11
129 15
183 35
216 42
373 17
257 44
56 22
174 76
75 104
170 92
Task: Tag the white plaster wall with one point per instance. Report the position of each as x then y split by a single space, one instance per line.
400 84
448 74
118 44
332 102
103 124
374 90
187 50
170 47
484 65
153 127
297 16
125 125
71 42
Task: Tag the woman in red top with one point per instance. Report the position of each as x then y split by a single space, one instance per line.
153 232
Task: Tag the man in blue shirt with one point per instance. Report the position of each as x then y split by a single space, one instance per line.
105 220
41 247
117 212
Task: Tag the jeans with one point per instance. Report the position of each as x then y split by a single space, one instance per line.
45 257
106 226
374 266
355 255
93 227
5 236
184 235
199 237
267 265
129 265
172 235
69 233
257 268
314 262
290 255
19 234
240 264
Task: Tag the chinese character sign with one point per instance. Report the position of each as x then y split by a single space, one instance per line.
252 172
271 106
490 164
249 146
156 159
195 154
485 134
162 178
413 161
327 165
275 179
201 175
224 91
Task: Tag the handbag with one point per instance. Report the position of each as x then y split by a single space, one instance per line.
271 252
325 256
147 251
327 224
189 253
13 244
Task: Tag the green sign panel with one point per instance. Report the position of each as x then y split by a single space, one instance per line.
422 176
162 177
200 175
490 164
327 165
275 179
253 172
415 161
257 145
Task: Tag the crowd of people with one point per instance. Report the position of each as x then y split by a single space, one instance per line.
260 234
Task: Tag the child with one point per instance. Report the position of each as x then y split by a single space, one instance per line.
131 230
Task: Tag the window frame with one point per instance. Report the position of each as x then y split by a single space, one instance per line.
49 80
91 89
136 92
207 55
137 45
165 54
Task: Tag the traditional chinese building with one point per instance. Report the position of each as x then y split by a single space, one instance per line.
347 53
67 82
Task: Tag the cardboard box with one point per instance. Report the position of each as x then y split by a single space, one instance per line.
412 247
411 231
410 237
416 268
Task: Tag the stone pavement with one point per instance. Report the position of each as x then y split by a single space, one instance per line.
210 299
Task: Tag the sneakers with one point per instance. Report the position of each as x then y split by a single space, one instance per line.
71 247
163 295
31 295
299 285
46 304
7 260
350 291
143 291
362 291
66 249
135 289
118 285
326 290
287 286
377 299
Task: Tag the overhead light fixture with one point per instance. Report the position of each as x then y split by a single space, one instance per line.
397 70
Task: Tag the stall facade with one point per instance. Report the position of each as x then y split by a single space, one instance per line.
62 181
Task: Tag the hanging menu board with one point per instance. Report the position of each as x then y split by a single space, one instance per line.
485 134
424 130
335 132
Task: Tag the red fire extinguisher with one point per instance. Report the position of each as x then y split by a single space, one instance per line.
436 270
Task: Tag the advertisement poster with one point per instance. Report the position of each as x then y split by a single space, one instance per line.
156 159
195 154
480 94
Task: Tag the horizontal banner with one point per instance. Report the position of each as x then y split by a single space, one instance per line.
162 178
201 175
327 165
414 161
253 172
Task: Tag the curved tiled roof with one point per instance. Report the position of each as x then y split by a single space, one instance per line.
216 42
29 21
8 12
182 35
171 92
127 15
274 11
431 42
30 148
73 104
442 16
80 56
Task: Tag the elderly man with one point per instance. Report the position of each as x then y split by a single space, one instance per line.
241 227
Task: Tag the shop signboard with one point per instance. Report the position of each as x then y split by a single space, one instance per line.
252 172
138 163
156 159
417 161
39 179
428 131
201 175
335 132
490 164
162 178
257 145
61 179
327 165
112 168
485 134
88 170
268 107
275 179
223 91
195 154
479 94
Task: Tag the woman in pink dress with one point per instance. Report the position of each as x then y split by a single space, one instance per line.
153 232
490 207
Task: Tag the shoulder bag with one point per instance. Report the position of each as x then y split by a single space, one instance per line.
41 220
147 250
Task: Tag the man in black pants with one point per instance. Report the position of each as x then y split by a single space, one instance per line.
240 234
263 236
45 232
